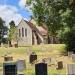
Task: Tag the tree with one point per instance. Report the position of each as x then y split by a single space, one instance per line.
12 32
70 40
46 12
1 29
55 14
68 17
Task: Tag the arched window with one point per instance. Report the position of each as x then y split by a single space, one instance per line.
19 33
25 32
22 32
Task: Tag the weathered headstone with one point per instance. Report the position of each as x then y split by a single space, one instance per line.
8 58
60 65
70 53
43 60
2 45
41 69
46 60
33 57
21 65
71 69
73 57
21 74
16 45
9 69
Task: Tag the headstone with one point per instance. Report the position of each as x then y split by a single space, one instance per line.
16 45
9 69
21 66
71 69
8 58
70 53
20 74
43 60
46 60
41 69
2 45
33 57
60 65
73 57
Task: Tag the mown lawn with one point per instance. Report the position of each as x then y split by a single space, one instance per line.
42 51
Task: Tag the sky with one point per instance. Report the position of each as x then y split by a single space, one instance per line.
14 10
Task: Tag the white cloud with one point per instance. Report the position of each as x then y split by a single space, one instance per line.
22 3
9 13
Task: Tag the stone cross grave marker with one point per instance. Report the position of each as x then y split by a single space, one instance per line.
9 69
21 65
41 69
71 69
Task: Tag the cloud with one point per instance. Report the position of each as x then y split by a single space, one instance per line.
22 3
8 13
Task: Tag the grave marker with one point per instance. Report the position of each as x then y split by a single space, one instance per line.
71 69
33 57
70 53
73 57
20 74
8 58
9 69
21 66
41 69
60 65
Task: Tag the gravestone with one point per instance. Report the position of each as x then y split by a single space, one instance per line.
43 60
41 69
8 58
70 53
16 45
9 69
46 60
33 57
71 69
60 65
73 57
21 66
21 74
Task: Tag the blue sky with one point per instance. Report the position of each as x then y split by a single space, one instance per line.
17 6
15 3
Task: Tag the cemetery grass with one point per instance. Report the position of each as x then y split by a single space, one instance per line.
50 71
43 51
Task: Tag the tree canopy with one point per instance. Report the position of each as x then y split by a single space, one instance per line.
12 31
57 15
1 28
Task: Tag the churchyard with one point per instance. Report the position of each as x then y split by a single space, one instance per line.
50 54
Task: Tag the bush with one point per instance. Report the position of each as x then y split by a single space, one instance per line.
70 40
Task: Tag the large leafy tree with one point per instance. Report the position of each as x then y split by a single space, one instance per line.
12 32
1 29
55 14
46 12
